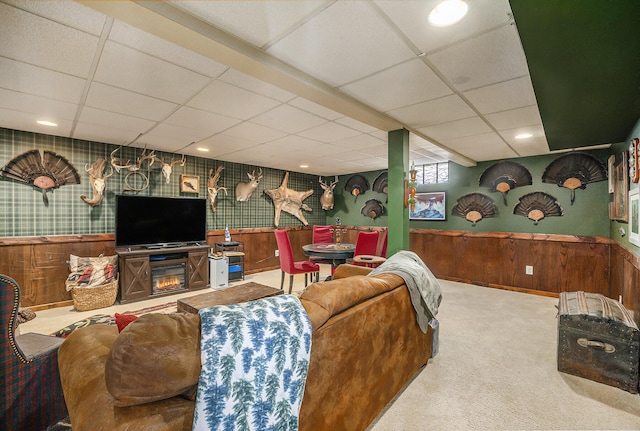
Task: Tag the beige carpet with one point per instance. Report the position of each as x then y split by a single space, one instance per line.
496 370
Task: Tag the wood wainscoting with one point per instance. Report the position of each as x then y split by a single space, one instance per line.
493 259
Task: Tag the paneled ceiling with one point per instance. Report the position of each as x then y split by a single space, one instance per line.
288 83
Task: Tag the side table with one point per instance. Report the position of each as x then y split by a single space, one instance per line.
231 295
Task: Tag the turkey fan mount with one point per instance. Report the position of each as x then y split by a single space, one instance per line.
574 171
474 207
504 176
538 205
46 172
357 185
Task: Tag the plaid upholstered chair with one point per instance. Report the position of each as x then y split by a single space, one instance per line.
32 396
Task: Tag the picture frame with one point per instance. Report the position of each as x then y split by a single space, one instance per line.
611 161
620 207
190 184
431 206
634 217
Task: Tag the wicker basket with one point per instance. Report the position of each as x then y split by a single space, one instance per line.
90 298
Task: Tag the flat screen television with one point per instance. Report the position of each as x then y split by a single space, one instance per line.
160 222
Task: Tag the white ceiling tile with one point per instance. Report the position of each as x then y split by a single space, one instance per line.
160 48
67 12
355 124
487 146
35 40
288 119
329 132
25 121
456 129
509 135
29 79
254 132
250 83
412 19
38 107
221 144
492 57
359 142
318 46
226 99
437 111
207 122
314 108
532 147
132 70
511 94
405 84
97 117
292 143
256 22
175 137
527 116
97 132
128 103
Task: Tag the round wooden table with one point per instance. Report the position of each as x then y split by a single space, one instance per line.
338 253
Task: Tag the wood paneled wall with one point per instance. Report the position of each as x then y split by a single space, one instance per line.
560 262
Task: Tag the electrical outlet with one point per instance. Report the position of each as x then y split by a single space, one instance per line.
528 270
277 253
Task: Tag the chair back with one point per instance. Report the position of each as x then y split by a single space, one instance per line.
367 243
286 252
382 243
322 234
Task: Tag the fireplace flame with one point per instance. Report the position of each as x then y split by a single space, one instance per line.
168 283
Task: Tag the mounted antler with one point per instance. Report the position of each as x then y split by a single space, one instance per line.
134 169
212 187
245 190
119 163
326 200
167 168
98 182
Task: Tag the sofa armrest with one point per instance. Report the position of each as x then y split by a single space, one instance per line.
347 270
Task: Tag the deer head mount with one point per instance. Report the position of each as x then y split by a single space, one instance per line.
245 190
288 200
134 169
98 181
167 168
326 200
212 187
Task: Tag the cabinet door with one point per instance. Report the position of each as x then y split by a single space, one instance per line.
135 279
198 269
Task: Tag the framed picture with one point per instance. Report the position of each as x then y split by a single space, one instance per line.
429 206
634 213
189 184
611 162
620 210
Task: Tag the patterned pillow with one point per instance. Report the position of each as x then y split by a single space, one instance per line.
92 271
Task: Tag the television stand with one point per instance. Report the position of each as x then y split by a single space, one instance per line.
152 272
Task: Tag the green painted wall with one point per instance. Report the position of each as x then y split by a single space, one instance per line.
23 213
589 215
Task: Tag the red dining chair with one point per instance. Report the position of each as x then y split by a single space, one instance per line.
366 249
382 243
287 263
321 235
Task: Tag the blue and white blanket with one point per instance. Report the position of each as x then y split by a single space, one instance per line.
424 288
255 358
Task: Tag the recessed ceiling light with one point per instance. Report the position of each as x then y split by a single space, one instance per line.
47 123
304 166
203 149
524 136
448 13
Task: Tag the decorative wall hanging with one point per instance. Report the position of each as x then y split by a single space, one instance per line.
410 190
98 182
618 208
429 206
372 208
167 168
135 175
46 172
474 207
212 187
189 183
538 205
573 171
504 176
326 200
288 200
381 183
634 217
634 160
357 185
245 190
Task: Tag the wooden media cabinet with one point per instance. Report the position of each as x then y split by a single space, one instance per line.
151 272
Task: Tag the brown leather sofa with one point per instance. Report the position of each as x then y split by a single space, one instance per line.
366 346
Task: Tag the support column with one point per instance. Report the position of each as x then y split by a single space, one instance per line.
398 156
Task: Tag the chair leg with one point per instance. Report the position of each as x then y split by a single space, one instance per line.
306 279
290 283
282 281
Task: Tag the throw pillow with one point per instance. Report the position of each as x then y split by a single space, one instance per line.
123 320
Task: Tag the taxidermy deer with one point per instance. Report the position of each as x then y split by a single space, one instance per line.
212 187
326 200
245 190
133 168
167 168
98 182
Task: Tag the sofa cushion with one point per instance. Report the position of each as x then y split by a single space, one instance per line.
325 299
154 358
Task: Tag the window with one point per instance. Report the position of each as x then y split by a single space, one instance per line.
434 173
